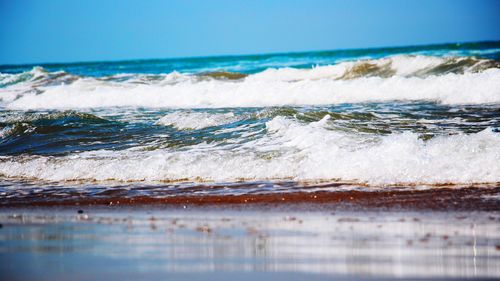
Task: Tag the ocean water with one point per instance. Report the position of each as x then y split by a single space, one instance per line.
422 116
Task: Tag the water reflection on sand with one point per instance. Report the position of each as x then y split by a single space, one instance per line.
368 244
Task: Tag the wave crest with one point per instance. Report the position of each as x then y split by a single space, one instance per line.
289 150
449 80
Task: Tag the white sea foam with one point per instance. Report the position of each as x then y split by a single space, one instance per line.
289 150
408 78
196 120
469 88
401 65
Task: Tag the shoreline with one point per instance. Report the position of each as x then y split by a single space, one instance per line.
283 242
407 233
438 199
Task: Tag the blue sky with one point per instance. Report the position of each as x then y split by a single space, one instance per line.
34 31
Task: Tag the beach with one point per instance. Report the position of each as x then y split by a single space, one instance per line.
384 237
358 164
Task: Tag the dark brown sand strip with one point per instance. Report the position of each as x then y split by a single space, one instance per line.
442 198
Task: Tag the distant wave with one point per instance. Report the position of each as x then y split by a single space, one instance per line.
448 80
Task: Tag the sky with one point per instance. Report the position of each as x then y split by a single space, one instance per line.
43 31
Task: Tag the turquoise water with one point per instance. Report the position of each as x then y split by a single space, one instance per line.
368 117
256 63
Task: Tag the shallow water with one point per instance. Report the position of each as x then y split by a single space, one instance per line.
414 116
151 244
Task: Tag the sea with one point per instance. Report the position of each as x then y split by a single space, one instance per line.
418 117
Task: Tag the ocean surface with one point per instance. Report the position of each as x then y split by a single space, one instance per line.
419 117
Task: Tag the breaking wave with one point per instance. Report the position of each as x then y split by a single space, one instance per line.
289 150
447 80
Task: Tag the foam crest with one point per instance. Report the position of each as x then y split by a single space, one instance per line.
448 80
196 120
400 65
289 150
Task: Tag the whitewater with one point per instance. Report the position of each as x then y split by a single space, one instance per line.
404 78
418 116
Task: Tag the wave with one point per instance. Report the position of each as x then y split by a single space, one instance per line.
473 88
402 66
15 124
448 80
288 150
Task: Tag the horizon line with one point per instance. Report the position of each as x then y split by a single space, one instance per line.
245 55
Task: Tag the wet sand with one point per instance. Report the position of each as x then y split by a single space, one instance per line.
248 195
442 233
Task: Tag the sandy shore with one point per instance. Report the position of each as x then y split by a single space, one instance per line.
258 242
